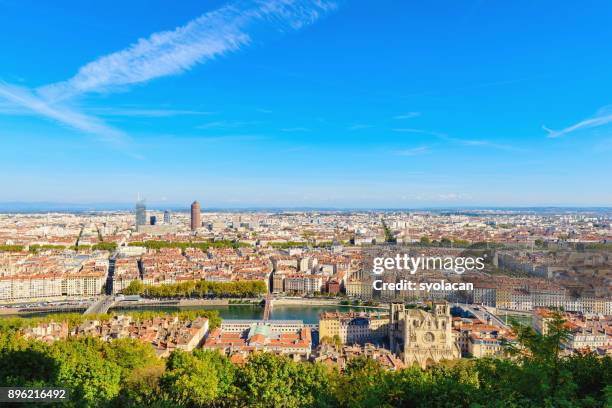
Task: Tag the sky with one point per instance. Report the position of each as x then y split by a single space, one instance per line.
292 103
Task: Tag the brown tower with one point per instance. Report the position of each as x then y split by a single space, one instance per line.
195 216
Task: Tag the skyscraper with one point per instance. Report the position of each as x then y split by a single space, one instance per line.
141 213
195 215
167 217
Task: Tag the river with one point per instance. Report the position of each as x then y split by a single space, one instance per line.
307 313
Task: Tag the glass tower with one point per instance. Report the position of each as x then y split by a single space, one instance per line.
141 213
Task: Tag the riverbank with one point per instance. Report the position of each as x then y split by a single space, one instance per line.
293 303
320 302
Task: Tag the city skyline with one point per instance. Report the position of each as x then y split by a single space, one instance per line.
305 104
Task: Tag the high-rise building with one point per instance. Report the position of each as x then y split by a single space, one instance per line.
195 216
153 220
166 217
141 213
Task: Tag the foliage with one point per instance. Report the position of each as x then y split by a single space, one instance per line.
127 373
198 289
136 287
288 244
190 380
203 245
11 248
105 246
36 248
272 381
389 237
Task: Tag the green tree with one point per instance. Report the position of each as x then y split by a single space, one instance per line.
92 379
336 340
268 380
130 354
357 387
189 381
540 357
141 389
136 287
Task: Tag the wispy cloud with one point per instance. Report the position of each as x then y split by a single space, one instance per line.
408 115
436 197
148 112
214 34
359 126
209 36
65 115
155 139
226 124
295 129
231 138
414 151
602 117
9 108
462 142
413 130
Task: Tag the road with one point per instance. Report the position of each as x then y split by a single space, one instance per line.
268 307
101 306
483 314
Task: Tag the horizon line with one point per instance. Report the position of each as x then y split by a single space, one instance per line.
52 206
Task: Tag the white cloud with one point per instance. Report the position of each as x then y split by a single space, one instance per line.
211 35
408 115
602 117
148 112
63 114
226 124
462 142
295 129
359 126
173 52
414 151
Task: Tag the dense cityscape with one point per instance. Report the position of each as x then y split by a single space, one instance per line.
305 204
169 278
94 261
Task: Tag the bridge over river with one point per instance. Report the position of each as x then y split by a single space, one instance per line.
268 307
101 306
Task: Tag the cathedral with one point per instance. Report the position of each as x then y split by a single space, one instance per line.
421 337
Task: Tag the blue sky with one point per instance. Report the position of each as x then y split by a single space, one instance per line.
307 103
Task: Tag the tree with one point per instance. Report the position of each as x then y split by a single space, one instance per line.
189 380
127 373
136 287
540 356
142 388
268 380
337 341
224 369
357 387
24 363
130 354
92 379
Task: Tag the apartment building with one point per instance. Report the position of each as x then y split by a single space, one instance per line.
354 328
